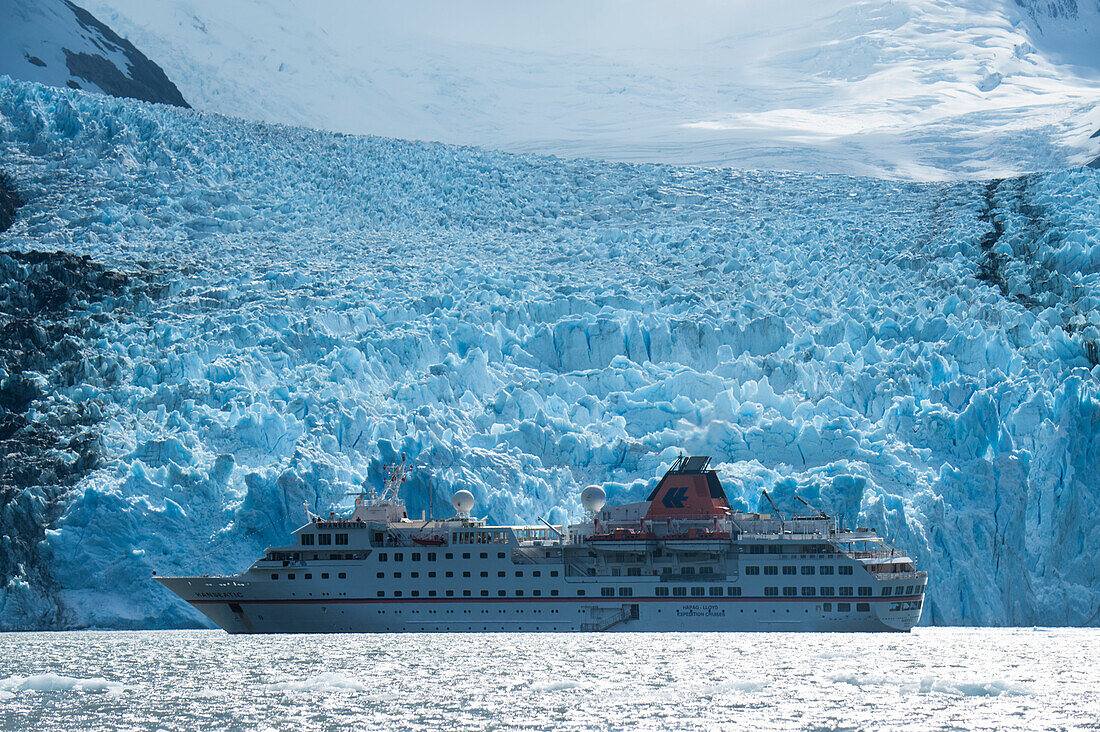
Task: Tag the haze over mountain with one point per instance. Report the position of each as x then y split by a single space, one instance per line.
923 89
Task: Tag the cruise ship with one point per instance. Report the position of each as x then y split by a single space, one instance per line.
682 560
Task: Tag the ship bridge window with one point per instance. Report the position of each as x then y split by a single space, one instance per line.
307 539
324 538
341 538
844 570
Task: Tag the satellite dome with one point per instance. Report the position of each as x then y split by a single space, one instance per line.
593 498
463 501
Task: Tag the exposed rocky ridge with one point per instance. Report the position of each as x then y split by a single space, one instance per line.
50 372
59 43
9 202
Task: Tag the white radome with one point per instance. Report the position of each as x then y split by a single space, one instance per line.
463 501
593 498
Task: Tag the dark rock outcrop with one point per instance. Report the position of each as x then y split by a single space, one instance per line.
9 202
49 313
143 80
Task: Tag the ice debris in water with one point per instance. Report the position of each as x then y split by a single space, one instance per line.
916 357
12 685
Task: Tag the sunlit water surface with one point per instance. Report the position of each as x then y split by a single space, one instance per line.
929 679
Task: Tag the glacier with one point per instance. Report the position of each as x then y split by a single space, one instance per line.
209 322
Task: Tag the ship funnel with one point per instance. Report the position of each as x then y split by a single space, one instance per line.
463 501
593 498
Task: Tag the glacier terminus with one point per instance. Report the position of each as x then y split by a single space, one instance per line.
209 322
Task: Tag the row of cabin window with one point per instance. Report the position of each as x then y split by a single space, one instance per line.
416 575
323 539
415 556
788 549
469 593
900 590
790 569
309 575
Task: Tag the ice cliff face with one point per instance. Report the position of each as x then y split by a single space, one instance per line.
268 314
61 44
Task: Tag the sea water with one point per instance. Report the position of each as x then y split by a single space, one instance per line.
932 678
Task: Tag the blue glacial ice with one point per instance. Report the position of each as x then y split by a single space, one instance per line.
916 357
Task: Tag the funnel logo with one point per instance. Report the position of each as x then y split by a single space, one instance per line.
675 497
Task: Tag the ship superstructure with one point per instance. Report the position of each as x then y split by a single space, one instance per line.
681 560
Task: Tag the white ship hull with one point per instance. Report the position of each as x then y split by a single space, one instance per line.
238 614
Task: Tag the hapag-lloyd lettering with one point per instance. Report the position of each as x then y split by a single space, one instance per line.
700 611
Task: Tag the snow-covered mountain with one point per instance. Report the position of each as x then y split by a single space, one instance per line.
207 322
58 43
920 89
